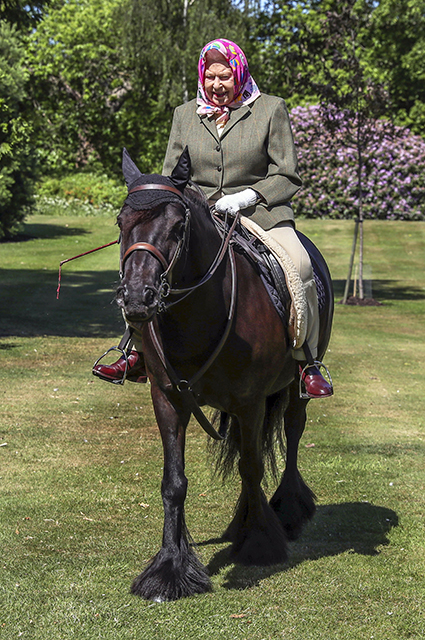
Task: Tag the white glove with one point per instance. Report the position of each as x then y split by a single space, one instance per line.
236 201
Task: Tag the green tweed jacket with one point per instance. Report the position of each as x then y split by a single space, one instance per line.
256 150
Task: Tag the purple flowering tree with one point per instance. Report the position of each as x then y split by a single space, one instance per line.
381 178
363 152
393 171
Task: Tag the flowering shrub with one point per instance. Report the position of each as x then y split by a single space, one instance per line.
393 173
59 206
91 190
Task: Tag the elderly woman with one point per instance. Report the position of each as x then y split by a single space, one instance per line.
243 157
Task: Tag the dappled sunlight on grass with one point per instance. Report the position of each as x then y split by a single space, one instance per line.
81 467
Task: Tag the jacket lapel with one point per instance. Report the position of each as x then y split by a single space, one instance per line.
235 116
210 125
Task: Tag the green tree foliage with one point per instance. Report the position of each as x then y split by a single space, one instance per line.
395 47
16 153
21 13
163 39
293 37
78 83
108 73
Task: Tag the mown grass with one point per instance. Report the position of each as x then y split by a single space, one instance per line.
81 462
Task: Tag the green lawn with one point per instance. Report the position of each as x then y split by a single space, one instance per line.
81 461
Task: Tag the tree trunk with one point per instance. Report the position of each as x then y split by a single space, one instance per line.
350 268
360 187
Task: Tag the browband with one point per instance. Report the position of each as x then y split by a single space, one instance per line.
160 187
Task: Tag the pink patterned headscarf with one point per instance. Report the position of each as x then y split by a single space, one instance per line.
246 90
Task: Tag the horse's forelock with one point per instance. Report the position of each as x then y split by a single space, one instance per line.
130 216
194 196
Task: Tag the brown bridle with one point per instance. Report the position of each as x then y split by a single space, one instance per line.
165 289
185 386
146 246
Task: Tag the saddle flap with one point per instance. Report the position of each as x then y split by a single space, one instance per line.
297 324
278 273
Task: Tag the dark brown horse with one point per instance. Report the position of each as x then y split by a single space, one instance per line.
211 336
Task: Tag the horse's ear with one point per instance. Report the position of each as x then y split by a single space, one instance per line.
129 169
181 172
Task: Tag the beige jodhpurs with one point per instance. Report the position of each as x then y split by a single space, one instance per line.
284 234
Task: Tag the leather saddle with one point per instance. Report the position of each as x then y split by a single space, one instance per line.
264 263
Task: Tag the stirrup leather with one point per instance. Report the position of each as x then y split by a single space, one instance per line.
319 365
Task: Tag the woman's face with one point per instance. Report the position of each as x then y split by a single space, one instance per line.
219 84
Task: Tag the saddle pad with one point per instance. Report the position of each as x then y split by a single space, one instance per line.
293 280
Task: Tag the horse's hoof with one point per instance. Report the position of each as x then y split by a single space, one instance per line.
171 576
259 551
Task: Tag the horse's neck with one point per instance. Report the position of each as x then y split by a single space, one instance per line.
185 321
203 247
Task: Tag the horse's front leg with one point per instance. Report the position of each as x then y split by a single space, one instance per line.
175 572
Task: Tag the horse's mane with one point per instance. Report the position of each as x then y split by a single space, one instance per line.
195 196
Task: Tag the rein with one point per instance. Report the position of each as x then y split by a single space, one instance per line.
185 387
164 293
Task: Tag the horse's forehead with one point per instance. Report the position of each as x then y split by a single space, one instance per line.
129 217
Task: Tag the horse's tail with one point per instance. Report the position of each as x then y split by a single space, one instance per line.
227 451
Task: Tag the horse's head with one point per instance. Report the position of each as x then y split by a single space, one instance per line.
153 224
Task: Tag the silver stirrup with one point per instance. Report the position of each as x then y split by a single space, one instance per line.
124 354
319 365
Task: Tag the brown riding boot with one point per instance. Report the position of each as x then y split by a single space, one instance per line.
136 371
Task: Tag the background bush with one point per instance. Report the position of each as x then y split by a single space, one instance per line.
80 194
393 175
87 187
16 152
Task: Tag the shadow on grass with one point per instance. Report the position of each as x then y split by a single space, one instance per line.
355 527
385 290
86 306
33 230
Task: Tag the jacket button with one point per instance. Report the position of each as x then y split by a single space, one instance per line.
218 148
219 168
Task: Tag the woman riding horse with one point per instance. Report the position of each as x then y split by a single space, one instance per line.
243 157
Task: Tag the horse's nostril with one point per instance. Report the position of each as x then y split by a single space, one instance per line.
122 294
149 297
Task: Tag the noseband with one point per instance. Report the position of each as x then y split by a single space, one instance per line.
145 246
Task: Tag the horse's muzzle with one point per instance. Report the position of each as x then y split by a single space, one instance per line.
138 306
